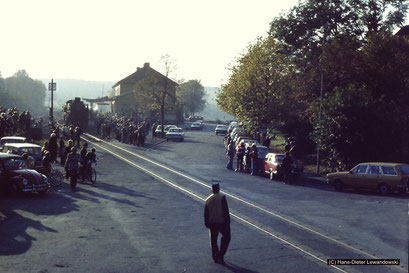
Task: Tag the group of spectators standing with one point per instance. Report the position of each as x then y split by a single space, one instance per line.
12 121
250 154
55 146
247 158
126 130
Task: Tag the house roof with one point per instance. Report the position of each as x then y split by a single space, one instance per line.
104 99
140 74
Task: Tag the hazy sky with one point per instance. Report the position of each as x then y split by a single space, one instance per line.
105 40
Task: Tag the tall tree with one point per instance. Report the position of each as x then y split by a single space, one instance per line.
365 113
192 95
312 24
27 93
256 92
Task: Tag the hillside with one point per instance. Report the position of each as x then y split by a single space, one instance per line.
212 111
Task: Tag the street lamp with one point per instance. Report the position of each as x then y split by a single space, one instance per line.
317 169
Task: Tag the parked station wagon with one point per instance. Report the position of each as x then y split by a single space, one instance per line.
383 177
33 150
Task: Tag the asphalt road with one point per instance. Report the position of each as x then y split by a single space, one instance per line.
145 214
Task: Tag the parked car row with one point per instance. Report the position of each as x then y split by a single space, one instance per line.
379 176
15 175
268 162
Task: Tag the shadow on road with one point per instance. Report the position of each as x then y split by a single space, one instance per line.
14 238
84 193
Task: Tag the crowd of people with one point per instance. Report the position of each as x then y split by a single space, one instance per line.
12 121
247 157
55 147
126 130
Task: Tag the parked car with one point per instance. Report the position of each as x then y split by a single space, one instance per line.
239 136
380 176
220 129
15 177
11 139
235 130
167 127
33 150
272 165
158 130
262 152
232 125
175 134
196 126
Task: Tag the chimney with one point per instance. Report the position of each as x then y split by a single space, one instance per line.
146 65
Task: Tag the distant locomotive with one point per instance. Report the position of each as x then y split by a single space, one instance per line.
76 113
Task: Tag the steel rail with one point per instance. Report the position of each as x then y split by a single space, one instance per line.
269 212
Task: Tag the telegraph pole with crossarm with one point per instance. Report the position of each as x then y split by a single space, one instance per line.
52 86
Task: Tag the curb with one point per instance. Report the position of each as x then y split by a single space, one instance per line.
314 179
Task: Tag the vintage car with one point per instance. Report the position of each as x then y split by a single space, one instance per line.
11 139
380 176
15 177
33 151
220 129
272 165
175 134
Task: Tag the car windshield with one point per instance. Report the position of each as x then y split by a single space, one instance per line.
15 164
359 169
404 169
30 150
279 158
221 127
174 130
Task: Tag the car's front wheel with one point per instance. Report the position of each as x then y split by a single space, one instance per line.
384 189
13 189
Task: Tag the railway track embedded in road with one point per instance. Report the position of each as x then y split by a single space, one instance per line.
308 241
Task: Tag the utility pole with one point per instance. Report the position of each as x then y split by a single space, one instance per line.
52 86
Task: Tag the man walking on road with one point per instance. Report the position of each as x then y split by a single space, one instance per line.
217 219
